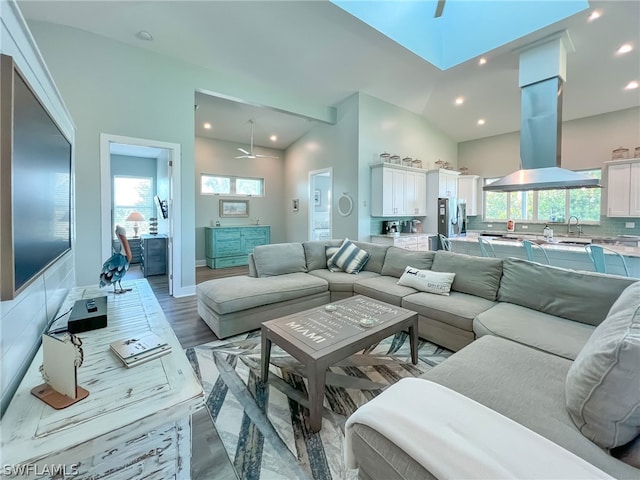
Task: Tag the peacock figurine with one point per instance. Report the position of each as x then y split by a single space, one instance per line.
116 266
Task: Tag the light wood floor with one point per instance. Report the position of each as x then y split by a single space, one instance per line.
208 457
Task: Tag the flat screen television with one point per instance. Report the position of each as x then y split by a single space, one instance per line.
35 184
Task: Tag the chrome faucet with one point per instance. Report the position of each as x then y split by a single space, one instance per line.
578 226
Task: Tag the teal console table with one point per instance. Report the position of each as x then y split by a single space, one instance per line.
231 246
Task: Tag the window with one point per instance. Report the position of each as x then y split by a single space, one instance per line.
545 205
132 194
231 186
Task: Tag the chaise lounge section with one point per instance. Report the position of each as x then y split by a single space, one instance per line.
590 407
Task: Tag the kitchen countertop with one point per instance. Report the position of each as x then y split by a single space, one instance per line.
515 241
396 235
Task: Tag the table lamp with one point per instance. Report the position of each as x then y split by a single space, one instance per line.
135 217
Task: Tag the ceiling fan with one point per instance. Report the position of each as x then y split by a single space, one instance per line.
439 8
250 153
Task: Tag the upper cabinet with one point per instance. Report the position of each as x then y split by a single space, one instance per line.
397 191
468 186
445 182
623 188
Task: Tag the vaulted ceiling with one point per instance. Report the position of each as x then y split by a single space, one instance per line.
318 51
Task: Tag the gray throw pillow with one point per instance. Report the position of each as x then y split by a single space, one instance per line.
477 276
398 259
603 383
278 259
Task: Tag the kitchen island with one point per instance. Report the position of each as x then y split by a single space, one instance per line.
408 241
568 254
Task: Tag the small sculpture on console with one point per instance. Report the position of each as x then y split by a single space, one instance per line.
116 266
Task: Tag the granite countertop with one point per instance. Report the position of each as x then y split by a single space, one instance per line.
239 226
396 235
515 240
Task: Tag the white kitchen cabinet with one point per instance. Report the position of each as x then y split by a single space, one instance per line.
397 191
468 192
415 193
623 188
445 182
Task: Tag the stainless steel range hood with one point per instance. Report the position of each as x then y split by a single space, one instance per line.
542 70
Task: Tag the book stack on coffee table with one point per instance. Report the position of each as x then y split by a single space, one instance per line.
140 349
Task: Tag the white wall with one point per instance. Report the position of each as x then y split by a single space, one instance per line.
324 146
117 89
218 157
384 127
366 127
586 143
23 320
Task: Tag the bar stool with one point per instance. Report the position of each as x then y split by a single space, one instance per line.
529 247
597 255
486 247
445 242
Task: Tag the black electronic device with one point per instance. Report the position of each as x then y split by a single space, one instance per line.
88 314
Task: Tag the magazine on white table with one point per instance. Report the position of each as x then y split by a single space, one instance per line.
140 349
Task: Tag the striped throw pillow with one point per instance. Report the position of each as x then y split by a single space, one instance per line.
349 257
330 252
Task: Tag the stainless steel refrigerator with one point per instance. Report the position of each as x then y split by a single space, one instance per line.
446 216
452 217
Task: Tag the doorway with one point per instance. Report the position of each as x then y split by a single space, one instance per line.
166 189
320 200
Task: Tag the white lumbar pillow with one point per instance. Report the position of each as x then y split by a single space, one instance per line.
427 280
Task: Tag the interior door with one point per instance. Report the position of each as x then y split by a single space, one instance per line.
320 199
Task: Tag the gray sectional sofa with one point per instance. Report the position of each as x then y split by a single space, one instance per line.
486 292
522 326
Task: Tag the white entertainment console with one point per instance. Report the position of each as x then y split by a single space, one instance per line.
135 423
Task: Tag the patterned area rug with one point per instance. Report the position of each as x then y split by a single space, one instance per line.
264 430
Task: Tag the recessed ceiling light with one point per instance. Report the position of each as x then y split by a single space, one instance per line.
207 125
631 85
594 15
273 138
144 35
626 48
459 100
481 121
482 61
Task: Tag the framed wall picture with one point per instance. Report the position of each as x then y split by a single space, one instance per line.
317 199
234 208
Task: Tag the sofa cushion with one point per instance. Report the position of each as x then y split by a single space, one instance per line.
477 276
526 385
315 254
232 294
427 281
581 296
536 329
341 281
279 259
383 288
377 255
458 309
349 257
603 384
397 260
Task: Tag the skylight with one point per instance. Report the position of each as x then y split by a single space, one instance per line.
466 29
